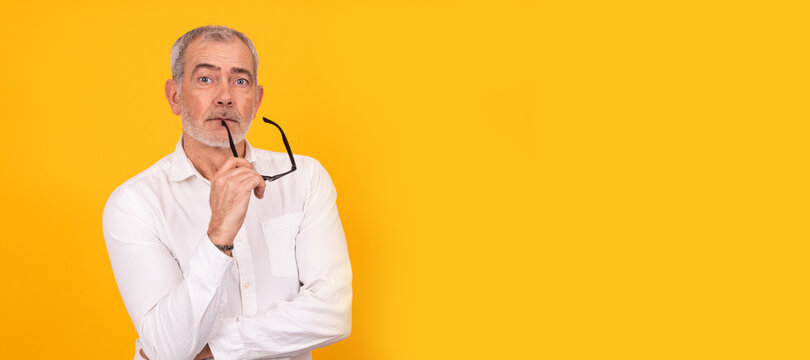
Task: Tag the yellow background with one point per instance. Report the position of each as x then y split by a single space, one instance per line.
593 180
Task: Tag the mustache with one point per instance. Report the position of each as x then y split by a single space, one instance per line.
223 114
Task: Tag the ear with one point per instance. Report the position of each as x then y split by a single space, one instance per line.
259 99
172 96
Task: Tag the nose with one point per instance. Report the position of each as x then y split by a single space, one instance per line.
224 96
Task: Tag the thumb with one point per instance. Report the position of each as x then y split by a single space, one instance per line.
259 190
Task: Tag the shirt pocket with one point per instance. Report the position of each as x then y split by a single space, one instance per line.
279 235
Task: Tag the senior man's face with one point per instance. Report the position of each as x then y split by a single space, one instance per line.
218 84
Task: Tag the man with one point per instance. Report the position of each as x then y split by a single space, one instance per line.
211 260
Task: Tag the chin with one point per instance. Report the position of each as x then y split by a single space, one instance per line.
207 140
219 145
206 137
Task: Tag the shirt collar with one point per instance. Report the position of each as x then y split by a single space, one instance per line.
182 168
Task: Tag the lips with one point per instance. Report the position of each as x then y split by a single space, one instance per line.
220 119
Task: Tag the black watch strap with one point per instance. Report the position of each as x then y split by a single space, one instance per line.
224 248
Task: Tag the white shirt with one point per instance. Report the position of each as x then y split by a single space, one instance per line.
286 290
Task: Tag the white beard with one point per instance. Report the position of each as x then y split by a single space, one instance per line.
198 133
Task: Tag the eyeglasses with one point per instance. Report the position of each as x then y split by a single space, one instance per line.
286 144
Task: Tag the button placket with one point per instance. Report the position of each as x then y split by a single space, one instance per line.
246 276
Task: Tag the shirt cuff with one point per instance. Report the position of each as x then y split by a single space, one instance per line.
210 264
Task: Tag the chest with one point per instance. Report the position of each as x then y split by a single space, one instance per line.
266 262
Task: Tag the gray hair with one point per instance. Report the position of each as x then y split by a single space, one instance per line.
208 32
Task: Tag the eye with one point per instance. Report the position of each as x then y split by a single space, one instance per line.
241 82
205 79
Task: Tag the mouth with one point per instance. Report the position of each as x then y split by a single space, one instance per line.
223 119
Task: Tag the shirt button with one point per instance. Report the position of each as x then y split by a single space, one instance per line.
238 239
247 284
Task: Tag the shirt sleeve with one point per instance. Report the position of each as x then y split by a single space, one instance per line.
321 313
173 314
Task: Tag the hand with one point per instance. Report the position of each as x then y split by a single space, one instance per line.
230 195
204 354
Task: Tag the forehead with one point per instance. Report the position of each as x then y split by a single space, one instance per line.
223 54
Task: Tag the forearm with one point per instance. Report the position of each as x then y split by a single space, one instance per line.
319 315
178 326
307 322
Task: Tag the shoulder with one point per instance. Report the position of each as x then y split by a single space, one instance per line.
134 192
310 176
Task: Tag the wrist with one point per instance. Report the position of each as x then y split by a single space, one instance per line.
225 247
219 239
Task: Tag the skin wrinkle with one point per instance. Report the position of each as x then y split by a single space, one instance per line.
236 70
214 33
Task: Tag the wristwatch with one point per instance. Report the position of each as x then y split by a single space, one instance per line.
224 248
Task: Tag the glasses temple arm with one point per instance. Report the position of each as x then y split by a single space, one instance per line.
230 139
286 145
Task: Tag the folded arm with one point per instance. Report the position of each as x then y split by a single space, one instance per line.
321 314
173 314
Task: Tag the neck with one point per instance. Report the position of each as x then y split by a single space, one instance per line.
208 159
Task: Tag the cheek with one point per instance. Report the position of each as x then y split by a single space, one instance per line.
248 106
197 104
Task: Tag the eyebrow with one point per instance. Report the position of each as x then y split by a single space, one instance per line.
204 65
236 70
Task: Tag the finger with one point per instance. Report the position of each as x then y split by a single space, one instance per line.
253 181
235 174
232 163
240 179
226 180
259 190
242 162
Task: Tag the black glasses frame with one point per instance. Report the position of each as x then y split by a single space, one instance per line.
283 138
